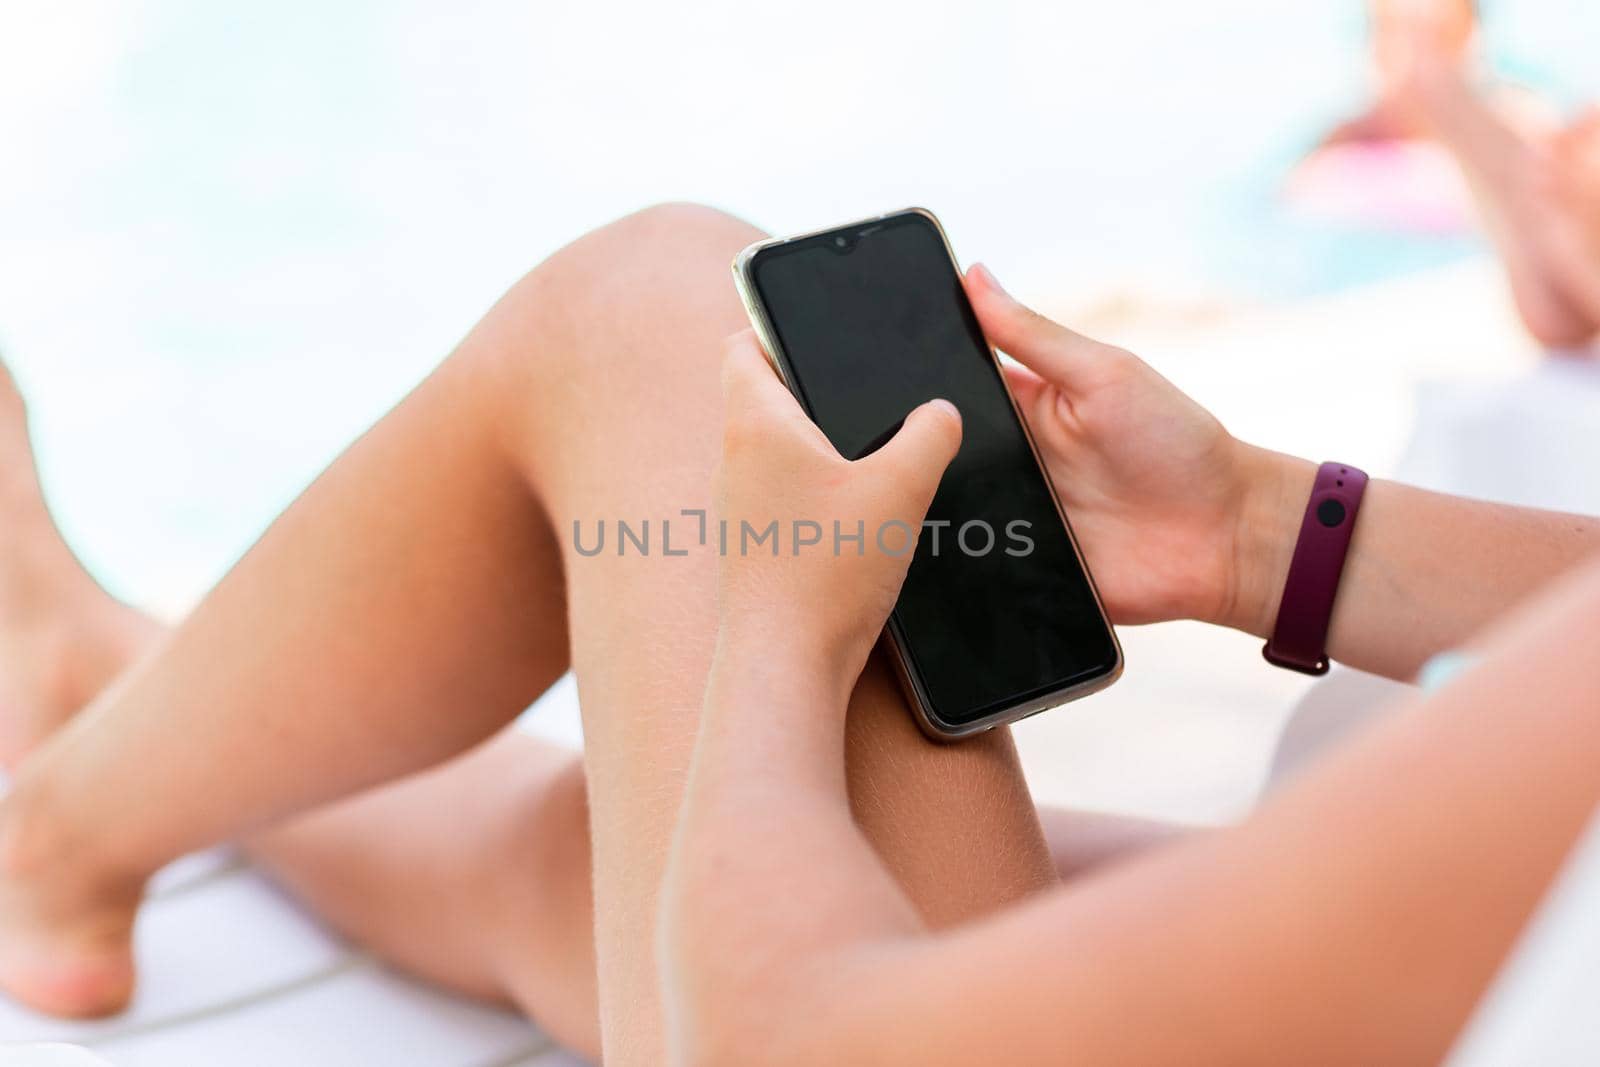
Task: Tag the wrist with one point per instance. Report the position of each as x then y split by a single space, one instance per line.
770 649
1275 488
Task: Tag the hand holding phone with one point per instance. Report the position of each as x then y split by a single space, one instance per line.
777 466
998 617
1177 518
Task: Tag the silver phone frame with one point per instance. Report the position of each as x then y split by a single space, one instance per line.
921 709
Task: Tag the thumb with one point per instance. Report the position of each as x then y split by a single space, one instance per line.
1061 357
915 458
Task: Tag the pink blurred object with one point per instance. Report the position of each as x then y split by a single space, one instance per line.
1402 185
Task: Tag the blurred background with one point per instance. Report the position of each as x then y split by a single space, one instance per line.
231 236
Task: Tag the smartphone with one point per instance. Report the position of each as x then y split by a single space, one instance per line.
998 618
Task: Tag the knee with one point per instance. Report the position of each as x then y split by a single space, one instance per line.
663 267
667 264
647 295
678 225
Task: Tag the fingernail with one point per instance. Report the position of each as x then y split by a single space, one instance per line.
990 280
945 406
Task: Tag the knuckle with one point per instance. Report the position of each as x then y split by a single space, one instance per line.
738 341
1036 319
1114 360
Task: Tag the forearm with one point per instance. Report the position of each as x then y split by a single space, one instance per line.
771 882
1425 571
1359 914
1355 919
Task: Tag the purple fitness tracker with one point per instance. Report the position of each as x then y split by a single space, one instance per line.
1300 637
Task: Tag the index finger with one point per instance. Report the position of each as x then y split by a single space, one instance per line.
1057 354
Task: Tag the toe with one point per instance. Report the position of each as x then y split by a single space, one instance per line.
78 985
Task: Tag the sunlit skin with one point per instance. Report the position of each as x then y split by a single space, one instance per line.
1354 919
403 610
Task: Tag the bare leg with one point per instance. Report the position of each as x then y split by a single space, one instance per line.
418 574
492 850
493 846
415 575
643 629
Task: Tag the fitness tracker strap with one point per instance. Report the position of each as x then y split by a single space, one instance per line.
1300 637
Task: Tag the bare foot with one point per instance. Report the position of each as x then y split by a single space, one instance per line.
62 637
65 939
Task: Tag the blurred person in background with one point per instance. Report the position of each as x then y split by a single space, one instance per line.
1449 27
841 890
1534 178
1536 181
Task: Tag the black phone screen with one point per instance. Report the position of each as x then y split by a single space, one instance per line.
996 610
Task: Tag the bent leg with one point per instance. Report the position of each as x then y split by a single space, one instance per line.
628 427
420 573
416 574
408 605
474 874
